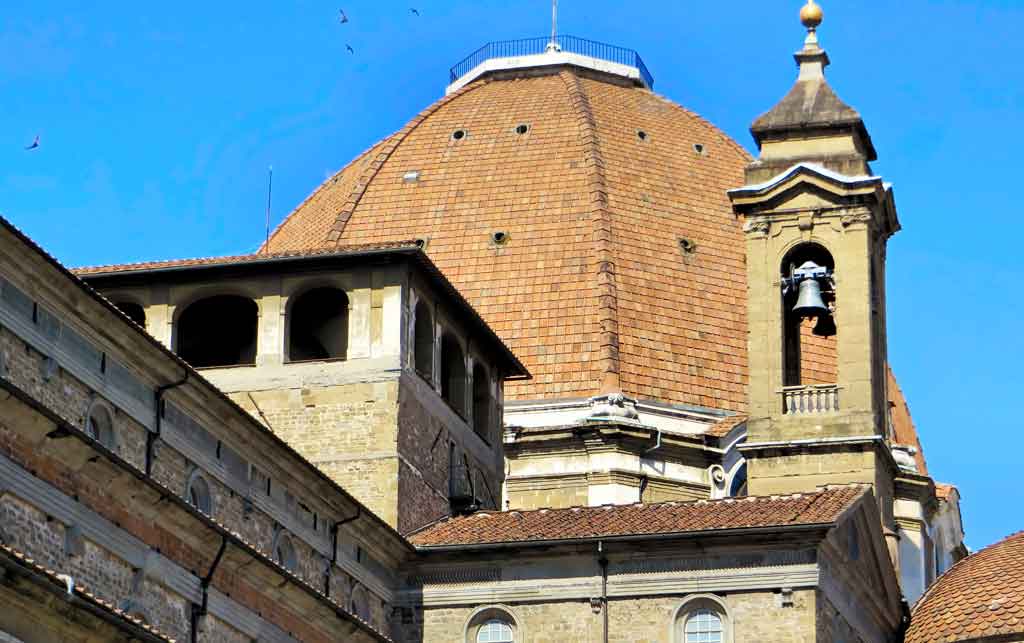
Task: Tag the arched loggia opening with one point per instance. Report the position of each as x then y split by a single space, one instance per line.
318 325
481 402
453 373
133 311
218 331
424 341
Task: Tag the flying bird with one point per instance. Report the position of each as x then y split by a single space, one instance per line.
342 18
350 49
414 12
34 144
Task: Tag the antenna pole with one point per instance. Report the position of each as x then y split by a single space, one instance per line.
554 21
270 187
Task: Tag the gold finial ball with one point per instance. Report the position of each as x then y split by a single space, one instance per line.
811 15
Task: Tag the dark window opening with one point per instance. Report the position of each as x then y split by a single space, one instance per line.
134 311
218 331
424 341
481 402
453 374
318 326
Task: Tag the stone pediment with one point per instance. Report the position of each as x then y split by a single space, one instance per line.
809 186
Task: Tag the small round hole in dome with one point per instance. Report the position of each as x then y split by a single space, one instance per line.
459 134
499 238
642 135
687 245
522 128
698 148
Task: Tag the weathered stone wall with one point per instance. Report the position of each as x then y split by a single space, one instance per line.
547 492
755 617
832 627
98 490
349 431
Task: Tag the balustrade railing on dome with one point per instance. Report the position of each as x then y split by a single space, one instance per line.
569 44
810 399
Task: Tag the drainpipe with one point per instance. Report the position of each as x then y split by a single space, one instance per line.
152 436
334 547
657 444
603 562
200 611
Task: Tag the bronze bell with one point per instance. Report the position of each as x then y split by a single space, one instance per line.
809 302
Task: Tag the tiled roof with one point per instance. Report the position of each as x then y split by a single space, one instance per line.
592 283
903 424
60 585
722 428
91 271
980 596
944 491
545 525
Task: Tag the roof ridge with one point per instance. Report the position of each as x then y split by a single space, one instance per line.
391 144
813 495
320 188
607 290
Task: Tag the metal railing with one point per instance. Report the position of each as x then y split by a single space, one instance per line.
569 44
812 399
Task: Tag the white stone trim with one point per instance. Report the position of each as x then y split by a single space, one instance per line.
547 59
693 602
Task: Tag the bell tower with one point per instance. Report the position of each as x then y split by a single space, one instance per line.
816 222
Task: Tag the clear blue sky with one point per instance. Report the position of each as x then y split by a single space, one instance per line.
158 121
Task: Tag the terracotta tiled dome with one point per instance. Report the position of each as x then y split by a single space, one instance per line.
979 598
622 261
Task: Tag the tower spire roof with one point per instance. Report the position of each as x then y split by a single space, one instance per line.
811 104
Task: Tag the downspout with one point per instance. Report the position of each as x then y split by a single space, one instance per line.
204 583
602 560
334 547
657 443
152 436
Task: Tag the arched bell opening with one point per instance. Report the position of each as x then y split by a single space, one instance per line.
318 325
218 331
808 316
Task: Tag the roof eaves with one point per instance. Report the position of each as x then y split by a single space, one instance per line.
195 375
674 535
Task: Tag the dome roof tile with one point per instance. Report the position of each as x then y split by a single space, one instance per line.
594 198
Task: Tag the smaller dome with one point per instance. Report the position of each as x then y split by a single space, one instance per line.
980 597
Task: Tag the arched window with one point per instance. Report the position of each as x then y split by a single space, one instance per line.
493 624
702 619
218 331
495 631
318 325
99 425
198 493
360 603
424 341
481 402
133 311
284 552
453 373
703 626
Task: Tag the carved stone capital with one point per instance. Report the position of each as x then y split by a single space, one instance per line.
852 218
757 227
